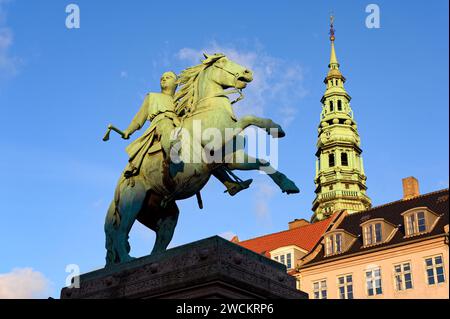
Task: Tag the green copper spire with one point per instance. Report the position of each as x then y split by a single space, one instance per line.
340 179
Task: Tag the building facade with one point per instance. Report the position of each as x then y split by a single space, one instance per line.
394 251
397 250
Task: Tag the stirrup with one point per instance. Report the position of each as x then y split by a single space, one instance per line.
238 186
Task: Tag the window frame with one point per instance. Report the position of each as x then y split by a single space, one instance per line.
330 239
320 289
284 257
373 281
371 228
434 267
345 285
413 227
402 275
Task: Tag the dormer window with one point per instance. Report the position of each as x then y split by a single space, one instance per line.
419 220
286 256
373 234
415 223
333 244
377 231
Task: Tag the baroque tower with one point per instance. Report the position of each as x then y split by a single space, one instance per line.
340 179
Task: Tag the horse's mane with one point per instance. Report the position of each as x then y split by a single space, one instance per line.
187 96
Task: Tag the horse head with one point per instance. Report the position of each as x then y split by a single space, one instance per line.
226 72
208 80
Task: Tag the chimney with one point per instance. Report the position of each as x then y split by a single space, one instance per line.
296 223
410 187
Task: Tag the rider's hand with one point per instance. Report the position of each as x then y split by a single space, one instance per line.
126 134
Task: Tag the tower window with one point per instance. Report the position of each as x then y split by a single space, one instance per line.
339 105
331 106
331 162
344 159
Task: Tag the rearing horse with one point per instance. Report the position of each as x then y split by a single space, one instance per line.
150 197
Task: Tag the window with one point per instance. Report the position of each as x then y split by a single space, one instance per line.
373 282
435 270
372 234
285 259
331 162
344 159
345 287
339 105
415 223
347 186
331 106
320 289
288 261
333 244
403 279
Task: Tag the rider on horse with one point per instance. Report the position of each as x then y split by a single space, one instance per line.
159 109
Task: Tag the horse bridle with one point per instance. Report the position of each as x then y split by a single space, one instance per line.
236 75
226 93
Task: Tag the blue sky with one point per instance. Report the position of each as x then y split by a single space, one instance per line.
59 88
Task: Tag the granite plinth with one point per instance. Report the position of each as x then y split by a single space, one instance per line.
209 268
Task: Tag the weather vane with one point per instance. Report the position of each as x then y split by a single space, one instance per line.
332 27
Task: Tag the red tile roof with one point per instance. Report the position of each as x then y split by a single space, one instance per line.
304 237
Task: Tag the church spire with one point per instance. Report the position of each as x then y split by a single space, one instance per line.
334 72
340 179
333 59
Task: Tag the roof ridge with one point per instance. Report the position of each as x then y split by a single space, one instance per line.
399 201
284 231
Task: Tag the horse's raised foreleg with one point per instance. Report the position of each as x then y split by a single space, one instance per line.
268 125
250 163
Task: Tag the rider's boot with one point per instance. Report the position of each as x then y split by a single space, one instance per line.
233 187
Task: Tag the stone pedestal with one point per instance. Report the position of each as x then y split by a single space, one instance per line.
209 268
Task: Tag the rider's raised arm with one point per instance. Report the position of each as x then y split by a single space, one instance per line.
140 117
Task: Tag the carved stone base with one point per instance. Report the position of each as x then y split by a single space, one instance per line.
209 268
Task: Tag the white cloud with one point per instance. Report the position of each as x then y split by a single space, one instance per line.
277 87
8 63
263 194
24 283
